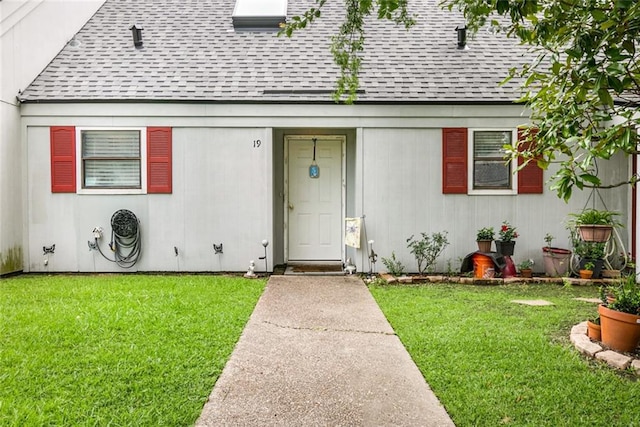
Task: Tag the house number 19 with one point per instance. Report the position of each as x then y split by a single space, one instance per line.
256 143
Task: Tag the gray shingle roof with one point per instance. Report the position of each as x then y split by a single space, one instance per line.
192 53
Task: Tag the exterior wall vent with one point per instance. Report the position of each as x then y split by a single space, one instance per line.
259 15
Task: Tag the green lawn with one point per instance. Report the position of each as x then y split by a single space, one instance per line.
146 350
116 349
492 362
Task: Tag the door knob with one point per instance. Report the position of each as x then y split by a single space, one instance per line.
290 207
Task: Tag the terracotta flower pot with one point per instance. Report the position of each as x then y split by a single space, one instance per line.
526 272
484 245
597 266
586 274
593 331
595 232
620 331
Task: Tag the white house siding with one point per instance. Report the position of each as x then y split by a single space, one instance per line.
227 191
402 196
222 193
32 32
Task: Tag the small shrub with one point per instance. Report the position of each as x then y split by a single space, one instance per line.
378 281
525 264
427 249
626 296
590 250
393 265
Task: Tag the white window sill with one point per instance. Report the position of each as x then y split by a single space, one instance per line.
510 192
101 191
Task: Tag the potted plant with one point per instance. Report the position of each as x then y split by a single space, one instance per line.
586 271
591 253
484 238
595 225
593 328
606 295
507 236
620 318
556 260
525 268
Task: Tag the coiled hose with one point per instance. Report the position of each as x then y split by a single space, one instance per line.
125 238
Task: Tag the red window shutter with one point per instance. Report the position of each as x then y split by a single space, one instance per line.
159 160
530 178
63 159
454 160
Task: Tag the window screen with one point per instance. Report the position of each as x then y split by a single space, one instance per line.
111 159
490 169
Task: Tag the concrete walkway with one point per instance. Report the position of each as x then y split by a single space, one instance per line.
317 351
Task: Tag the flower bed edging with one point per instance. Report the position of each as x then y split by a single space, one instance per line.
593 349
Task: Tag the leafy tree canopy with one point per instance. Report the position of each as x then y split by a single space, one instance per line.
583 88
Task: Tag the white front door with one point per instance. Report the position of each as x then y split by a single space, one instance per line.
314 204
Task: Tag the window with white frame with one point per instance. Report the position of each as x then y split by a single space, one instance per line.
111 159
490 170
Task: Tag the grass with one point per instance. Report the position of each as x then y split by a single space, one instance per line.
116 349
492 362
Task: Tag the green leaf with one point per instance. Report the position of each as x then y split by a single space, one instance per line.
590 178
615 54
529 7
629 46
574 52
599 82
608 24
502 6
598 15
615 83
623 4
605 97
